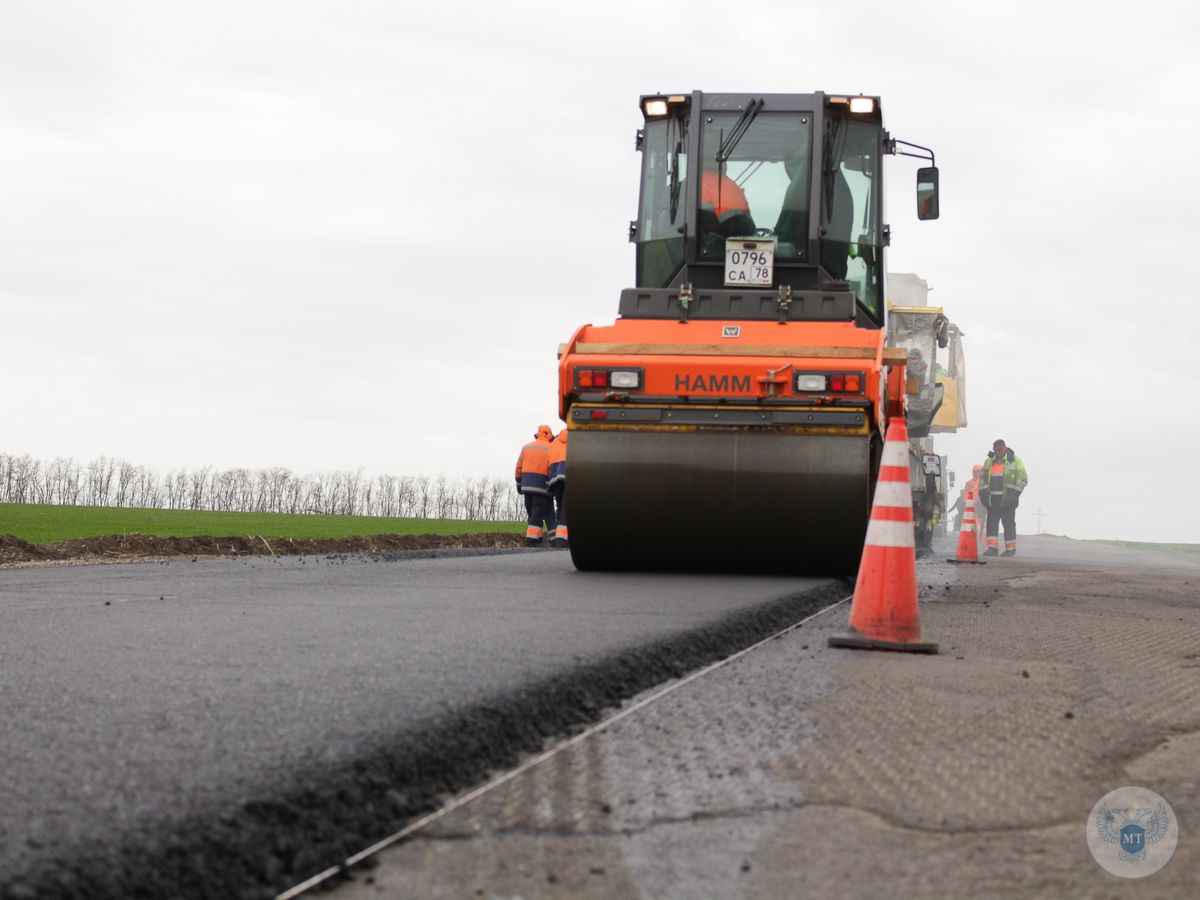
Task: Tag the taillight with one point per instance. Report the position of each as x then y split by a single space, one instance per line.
625 379
828 383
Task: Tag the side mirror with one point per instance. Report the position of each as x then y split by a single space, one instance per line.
927 193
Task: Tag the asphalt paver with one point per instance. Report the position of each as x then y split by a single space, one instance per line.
798 770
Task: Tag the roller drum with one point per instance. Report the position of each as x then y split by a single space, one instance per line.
732 500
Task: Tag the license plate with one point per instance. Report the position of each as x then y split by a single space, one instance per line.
749 263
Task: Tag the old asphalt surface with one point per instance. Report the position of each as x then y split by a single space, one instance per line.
225 728
802 771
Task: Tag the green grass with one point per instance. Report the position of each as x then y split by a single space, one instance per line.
40 524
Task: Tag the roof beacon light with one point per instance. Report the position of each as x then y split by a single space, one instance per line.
655 107
862 105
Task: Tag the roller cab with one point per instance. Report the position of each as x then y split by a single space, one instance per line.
730 418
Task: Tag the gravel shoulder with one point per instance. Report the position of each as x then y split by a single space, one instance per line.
799 770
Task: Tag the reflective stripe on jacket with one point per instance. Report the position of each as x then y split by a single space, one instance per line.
996 478
558 459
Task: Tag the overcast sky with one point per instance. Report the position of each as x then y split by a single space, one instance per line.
330 235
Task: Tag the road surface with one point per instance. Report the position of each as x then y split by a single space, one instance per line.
799 770
224 728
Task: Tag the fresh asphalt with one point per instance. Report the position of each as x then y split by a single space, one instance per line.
225 728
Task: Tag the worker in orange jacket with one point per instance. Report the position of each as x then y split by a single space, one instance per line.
558 488
533 483
975 484
972 488
720 195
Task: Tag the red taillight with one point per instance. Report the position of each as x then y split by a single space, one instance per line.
586 378
599 413
837 382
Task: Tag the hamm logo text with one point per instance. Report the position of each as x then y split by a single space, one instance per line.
713 383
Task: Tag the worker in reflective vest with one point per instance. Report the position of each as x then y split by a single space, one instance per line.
1001 483
533 483
558 488
721 195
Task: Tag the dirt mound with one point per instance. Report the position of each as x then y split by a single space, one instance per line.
142 547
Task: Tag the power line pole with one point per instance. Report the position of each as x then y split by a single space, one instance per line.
1039 515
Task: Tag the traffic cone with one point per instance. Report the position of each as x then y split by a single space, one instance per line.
968 540
883 613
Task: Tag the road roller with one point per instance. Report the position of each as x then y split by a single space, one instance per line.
731 418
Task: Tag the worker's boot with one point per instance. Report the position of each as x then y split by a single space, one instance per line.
532 542
992 551
1009 553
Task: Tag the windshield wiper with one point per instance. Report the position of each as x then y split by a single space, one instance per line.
740 127
673 189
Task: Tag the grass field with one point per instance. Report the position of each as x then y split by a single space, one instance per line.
48 524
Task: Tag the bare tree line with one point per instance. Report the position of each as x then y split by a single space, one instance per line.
106 481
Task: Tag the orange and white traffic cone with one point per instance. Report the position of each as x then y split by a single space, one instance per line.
883 613
968 540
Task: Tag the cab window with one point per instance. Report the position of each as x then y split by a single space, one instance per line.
850 244
756 185
661 217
